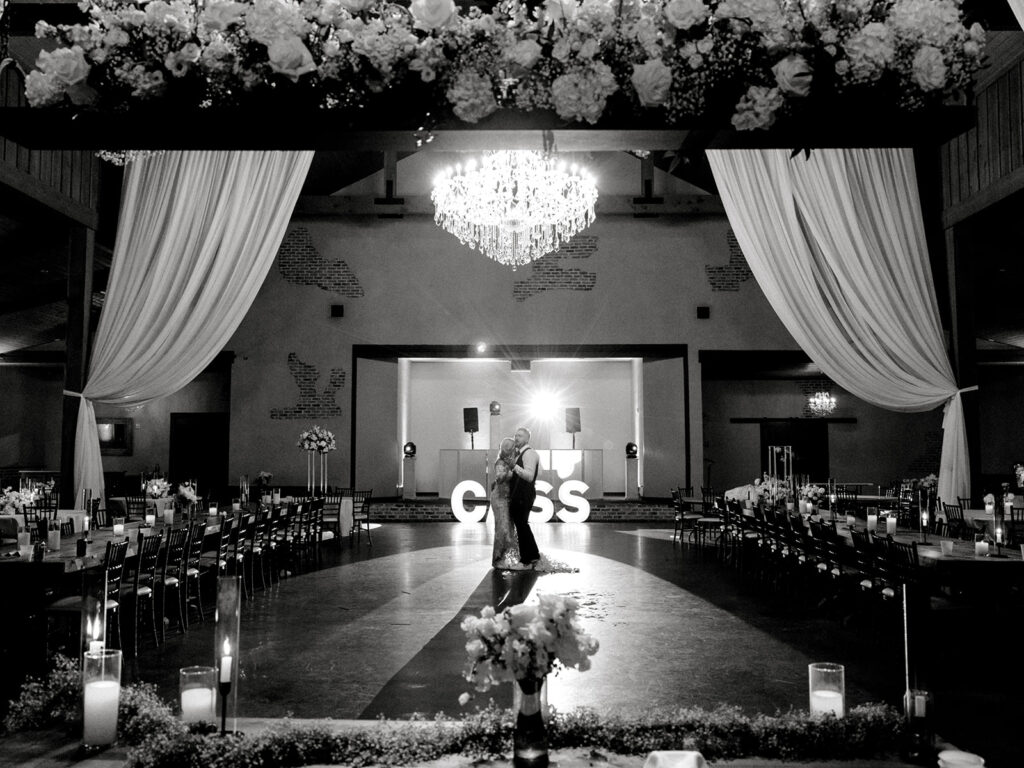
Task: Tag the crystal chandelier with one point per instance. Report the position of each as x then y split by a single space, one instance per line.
514 207
821 403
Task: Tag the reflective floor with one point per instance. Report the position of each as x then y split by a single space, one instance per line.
376 631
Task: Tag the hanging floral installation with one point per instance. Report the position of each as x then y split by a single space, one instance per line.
677 63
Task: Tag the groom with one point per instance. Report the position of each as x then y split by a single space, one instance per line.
522 494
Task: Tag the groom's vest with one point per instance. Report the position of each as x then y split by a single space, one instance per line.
523 491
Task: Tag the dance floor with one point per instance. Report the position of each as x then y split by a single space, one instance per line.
376 631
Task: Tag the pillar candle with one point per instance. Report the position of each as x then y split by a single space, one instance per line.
890 524
980 548
197 705
150 520
118 529
872 522
100 712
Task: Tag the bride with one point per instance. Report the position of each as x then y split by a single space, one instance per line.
505 554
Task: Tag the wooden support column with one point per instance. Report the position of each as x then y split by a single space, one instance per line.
81 245
953 276
964 342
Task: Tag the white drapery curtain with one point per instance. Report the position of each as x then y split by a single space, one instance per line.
837 244
1017 6
197 234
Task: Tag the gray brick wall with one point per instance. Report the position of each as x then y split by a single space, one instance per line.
312 404
734 273
808 387
428 511
300 263
549 274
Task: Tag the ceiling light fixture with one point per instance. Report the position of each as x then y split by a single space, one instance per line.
514 206
821 403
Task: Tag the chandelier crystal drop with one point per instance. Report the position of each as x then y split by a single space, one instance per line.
821 403
514 206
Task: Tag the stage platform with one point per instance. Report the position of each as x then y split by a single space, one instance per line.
433 509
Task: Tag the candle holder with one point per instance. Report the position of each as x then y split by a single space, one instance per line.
226 646
827 687
101 693
198 694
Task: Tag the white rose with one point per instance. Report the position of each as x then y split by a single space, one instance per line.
525 53
652 81
220 16
290 57
355 6
972 49
683 14
433 14
929 68
589 48
42 90
67 65
463 699
559 9
793 75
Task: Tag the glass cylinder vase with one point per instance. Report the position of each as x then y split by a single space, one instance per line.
530 739
101 683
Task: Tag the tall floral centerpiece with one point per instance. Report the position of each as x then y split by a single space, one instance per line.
317 442
186 497
157 488
811 495
524 644
13 502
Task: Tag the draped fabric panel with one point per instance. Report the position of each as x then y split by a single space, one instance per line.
1017 6
837 244
197 235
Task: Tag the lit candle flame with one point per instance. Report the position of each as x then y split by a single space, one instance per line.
227 647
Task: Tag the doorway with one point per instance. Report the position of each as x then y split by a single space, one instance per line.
809 440
199 450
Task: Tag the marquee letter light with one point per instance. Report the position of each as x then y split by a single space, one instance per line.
565 495
543 510
479 511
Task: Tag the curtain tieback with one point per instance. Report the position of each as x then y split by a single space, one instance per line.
69 393
967 389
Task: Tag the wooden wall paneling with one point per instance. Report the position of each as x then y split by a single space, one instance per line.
974 137
1016 115
944 154
984 146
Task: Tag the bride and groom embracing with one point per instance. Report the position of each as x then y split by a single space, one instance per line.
513 492
512 495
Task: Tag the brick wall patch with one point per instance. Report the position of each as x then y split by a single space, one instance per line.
312 404
548 273
808 387
734 273
300 263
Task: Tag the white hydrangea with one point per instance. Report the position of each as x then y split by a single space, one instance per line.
269 20
933 22
42 89
757 108
929 68
472 97
869 52
581 94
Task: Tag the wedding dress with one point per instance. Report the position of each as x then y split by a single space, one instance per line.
505 551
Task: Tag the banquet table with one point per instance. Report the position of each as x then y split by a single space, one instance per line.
117 506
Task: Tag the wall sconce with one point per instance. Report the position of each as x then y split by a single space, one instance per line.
409 449
495 408
631 451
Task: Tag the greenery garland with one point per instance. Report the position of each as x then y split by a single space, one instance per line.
157 739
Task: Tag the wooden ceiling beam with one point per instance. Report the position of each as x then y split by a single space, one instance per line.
320 206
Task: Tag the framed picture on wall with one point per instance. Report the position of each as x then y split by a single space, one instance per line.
115 436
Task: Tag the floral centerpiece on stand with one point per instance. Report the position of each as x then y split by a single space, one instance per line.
744 62
14 502
186 496
812 494
157 488
524 644
317 441
772 491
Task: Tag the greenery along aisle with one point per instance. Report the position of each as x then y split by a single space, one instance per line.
684 62
157 739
